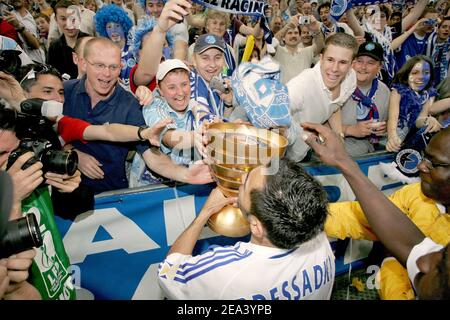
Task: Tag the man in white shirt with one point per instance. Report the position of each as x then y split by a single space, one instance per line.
288 256
316 95
292 58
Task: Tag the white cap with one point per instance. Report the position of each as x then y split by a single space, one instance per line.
167 66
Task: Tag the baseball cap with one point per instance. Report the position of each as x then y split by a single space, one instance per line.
371 49
314 1
208 41
167 66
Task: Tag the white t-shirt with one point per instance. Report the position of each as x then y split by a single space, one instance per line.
253 272
425 247
311 101
292 64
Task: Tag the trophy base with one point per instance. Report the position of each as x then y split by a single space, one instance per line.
229 222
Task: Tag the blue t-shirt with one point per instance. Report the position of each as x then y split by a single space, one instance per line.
121 107
412 46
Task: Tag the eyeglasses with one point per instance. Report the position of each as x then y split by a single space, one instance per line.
102 66
40 69
430 164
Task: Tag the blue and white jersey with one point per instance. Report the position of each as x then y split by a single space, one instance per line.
413 46
251 272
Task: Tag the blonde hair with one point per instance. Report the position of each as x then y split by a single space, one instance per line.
214 14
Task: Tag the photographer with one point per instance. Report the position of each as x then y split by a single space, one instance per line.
14 269
30 195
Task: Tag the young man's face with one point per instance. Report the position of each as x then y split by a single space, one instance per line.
65 19
47 87
366 69
292 37
209 63
102 67
305 36
335 63
154 7
115 32
444 30
176 89
42 25
8 142
324 12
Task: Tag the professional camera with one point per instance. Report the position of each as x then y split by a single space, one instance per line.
304 20
62 162
219 84
16 235
10 61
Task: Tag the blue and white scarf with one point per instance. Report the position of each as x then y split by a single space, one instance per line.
208 104
339 7
257 88
440 55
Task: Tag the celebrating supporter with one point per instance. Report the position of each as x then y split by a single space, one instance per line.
414 230
410 101
364 114
317 94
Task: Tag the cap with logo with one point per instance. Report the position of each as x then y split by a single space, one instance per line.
208 41
371 49
169 65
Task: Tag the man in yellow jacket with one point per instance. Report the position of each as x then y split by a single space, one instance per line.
427 204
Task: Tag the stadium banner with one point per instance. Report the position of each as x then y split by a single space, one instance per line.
339 7
115 249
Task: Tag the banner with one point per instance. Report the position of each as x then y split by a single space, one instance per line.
116 249
339 7
242 7
50 269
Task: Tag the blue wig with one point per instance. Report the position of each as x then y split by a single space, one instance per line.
112 13
144 26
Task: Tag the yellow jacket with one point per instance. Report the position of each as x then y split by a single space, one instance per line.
346 219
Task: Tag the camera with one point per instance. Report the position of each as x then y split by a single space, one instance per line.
219 84
304 20
62 162
430 22
16 235
10 61
5 7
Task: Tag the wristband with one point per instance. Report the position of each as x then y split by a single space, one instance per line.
140 131
72 129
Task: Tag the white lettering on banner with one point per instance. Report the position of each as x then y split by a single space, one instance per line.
148 288
360 249
178 215
338 181
78 240
376 175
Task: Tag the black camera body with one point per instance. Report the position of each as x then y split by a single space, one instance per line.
56 161
16 235
10 61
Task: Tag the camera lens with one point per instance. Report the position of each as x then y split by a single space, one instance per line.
21 234
61 162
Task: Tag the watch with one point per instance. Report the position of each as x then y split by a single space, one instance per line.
140 131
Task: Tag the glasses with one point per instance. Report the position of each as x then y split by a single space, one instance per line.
102 66
430 164
40 69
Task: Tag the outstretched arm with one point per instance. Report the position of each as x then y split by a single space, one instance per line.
392 227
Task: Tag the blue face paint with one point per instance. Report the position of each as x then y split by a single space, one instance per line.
419 76
115 32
